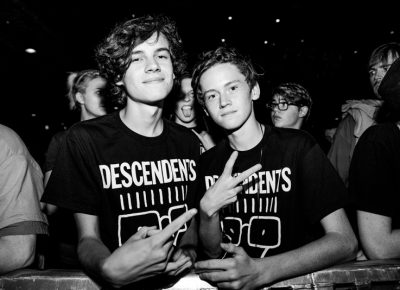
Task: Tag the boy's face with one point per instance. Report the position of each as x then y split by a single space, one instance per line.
149 77
227 96
184 108
290 118
378 71
92 99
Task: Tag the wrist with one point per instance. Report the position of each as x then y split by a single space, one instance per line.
207 210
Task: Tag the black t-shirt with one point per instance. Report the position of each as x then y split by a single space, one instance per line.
375 172
52 151
126 179
281 205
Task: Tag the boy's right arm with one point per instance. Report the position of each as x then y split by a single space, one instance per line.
218 196
144 255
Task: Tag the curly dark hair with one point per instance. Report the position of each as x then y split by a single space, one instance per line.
221 55
113 55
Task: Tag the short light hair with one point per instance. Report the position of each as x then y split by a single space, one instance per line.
218 56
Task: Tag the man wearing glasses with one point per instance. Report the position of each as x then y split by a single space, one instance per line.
290 106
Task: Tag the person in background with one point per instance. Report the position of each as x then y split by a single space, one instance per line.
85 98
21 218
290 106
284 217
358 115
130 176
187 112
374 175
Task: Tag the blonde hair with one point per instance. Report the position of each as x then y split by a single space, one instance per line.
77 83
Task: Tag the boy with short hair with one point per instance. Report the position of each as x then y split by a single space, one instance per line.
290 106
265 229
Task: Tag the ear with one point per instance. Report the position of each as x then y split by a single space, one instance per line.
255 92
79 98
303 111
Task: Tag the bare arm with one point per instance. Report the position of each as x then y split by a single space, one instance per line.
377 237
338 245
219 195
243 272
16 252
49 209
143 255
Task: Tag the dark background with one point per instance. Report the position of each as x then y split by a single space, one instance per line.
322 45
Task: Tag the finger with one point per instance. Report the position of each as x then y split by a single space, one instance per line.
186 267
232 249
177 254
210 265
245 174
230 163
175 225
172 267
142 233
216 276
153 232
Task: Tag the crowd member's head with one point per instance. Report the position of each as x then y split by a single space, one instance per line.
290 106
389 90
185 109
127 68
380 61
238 77
85 93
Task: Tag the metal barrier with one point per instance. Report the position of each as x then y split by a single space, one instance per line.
375 274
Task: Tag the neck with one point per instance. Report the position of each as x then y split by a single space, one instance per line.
190 124
247 137
143 119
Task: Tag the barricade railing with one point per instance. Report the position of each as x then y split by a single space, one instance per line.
374 274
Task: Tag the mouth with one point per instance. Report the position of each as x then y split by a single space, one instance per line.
154 80
227 113
187 111
276 118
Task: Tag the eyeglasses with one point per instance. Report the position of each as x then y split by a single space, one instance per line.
282 106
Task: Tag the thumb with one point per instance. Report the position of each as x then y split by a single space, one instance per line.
231 248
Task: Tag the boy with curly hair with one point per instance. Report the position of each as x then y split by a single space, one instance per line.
129 176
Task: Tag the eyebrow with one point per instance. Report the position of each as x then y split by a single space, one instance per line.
225 85
161 49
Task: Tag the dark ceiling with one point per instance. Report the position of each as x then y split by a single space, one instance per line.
323 45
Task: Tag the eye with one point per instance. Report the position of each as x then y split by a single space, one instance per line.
136 59
210 96
163 56
234 88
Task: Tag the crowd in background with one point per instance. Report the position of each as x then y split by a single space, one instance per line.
216 179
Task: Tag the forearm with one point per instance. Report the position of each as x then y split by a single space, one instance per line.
92 254
386 246
16 252
331 249
210 234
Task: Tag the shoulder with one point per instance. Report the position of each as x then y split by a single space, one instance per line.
11 142
379 133
288 136
99 125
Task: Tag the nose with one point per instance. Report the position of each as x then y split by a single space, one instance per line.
224 100
152 65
